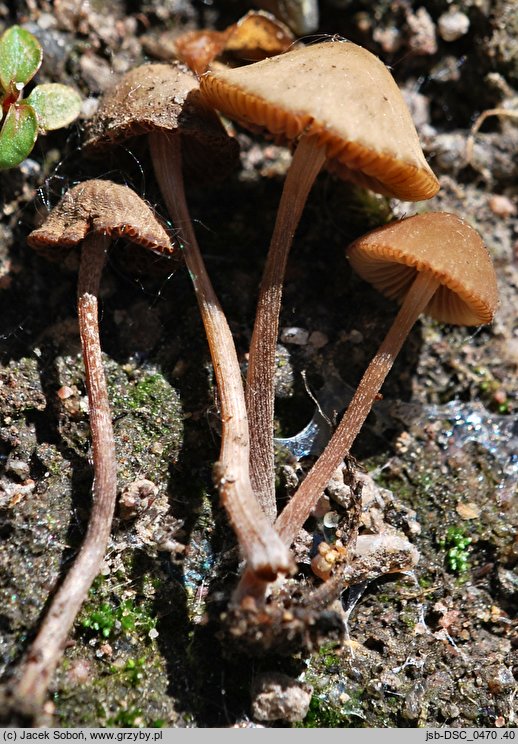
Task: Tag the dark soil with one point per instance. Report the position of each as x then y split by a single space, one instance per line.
431 649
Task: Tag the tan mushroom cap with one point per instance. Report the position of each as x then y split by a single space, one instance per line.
102 207
344 96
167 97
256 35
442 244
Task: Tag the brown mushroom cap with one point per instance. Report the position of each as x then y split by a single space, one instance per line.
167 97
344 96
442 244
256 35
103 207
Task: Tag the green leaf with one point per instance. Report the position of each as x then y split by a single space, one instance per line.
56 105
18 135
20 57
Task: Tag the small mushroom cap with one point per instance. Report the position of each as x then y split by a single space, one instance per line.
441 244
103 207
259 34
255 36
344 96
162 96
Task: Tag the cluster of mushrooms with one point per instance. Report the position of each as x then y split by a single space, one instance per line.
338 106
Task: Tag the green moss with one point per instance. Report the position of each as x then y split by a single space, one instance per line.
456 544
147 393
147 417
109 620
487 389
52 460
365 210
328 657
130 718
325 713
321 715
148 422
337 701
400 486
408 618
133 671
129 678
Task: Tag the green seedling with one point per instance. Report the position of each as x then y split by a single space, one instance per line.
47 107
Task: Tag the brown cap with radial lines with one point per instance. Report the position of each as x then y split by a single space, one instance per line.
347 98
163 96
103 207
442 244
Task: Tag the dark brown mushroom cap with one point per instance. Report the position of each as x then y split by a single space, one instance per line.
342 95
163 96
103 207
442 244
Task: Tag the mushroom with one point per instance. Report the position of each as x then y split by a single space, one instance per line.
433 263
90 215
163 102
342 106
256 35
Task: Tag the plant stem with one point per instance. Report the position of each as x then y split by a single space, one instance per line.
303 501
307 161
261 546
43 655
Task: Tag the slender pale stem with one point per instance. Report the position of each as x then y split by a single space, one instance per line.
307 161
299 507
261 546
43 655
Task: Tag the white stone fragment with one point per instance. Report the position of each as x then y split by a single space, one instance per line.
453 25
293 335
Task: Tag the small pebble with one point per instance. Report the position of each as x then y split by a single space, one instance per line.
297 336
89 106
276 696
30 167
331 520
136 498
96 72
65 392
388 37
468 510
318 340
79 673
501 205
18 467
421 29
453 25
46 21
500 680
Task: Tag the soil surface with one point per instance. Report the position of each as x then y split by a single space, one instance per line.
152 645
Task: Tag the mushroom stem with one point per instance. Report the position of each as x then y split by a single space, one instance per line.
261 546
42 657
307 161
303 501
